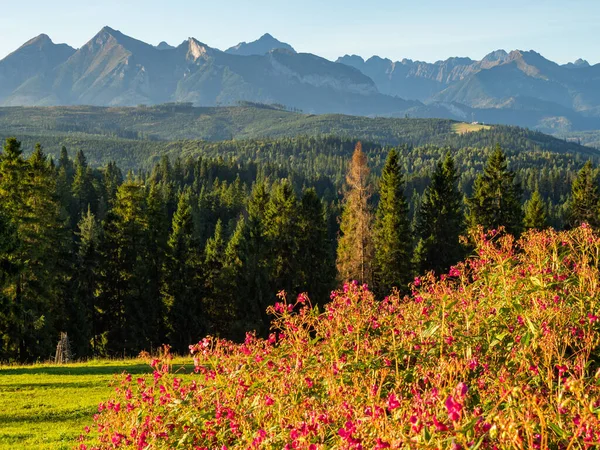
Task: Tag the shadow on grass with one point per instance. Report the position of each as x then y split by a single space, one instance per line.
16 386
61 417
133 369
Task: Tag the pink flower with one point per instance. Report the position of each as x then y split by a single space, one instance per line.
393 402
454 272
381 444
454 409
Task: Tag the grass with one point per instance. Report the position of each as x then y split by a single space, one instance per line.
47 406
463 127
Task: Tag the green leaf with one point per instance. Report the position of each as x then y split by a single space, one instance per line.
559 432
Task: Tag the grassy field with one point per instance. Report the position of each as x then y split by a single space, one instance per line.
462 128
47 406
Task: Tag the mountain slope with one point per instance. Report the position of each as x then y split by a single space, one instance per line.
36 57
113 69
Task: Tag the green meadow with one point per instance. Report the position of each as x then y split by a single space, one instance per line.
47 406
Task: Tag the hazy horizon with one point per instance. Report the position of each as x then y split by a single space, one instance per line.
431 31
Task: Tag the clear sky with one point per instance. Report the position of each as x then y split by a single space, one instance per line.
561 30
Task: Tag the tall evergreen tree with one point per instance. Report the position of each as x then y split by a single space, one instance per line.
255 256
182 291
219 307
316 262
84 194
535 212
157 243
83 323
355 244
10 313
392 230
28 197
584 204
113 178
282 230
496 200
440 221
125 281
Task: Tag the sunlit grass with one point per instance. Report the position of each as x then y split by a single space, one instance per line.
46 406
463 127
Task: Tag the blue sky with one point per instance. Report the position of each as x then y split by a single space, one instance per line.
561 30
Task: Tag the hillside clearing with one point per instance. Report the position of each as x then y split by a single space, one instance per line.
463 127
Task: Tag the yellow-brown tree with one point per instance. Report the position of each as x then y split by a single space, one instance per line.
355 244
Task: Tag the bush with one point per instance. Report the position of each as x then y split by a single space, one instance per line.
502 352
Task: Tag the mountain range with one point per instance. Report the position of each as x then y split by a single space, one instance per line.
112 69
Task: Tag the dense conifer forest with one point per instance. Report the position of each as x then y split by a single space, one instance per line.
202 244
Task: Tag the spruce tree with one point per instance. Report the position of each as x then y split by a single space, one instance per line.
10 315
392 230
234 278
218 306
84 194
496 200
125 277
255 256
158 234
316 263
584 204
355 244
182 286
535 212
440 221
112 178
83 324
282 231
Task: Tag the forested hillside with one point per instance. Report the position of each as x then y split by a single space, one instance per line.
177 122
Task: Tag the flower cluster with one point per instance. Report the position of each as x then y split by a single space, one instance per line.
502 352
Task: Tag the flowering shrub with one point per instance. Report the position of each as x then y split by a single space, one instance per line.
502 352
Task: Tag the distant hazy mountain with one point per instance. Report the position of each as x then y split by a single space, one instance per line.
261 46
577 64
36 57
519 87
113 69
164 46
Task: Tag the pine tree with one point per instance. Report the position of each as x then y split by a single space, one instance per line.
392 230
440 221
496 200
355 244
535 212
584 204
